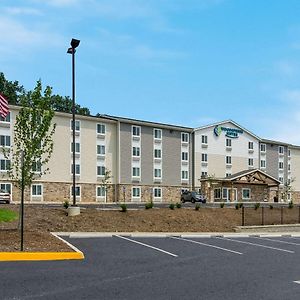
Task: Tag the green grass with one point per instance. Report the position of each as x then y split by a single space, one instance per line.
7 215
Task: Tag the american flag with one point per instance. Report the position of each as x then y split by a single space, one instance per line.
3 106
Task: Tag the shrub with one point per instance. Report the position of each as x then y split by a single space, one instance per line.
257 205
291 205
241 205
237 206
178 205
66 204
149 205
123 207
271 206
197 206
172 206
222 205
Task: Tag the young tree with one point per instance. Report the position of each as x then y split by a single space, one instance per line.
106 181
287 189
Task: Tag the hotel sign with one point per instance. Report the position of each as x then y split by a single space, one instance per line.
229 132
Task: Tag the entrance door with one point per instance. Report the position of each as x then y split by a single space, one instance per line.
234 195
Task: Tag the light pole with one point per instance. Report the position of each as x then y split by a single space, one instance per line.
72 50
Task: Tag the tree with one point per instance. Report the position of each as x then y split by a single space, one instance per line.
106 181
287 189
11 89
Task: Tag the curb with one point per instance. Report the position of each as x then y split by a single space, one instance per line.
43 256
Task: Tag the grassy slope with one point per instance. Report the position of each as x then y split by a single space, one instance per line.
7 215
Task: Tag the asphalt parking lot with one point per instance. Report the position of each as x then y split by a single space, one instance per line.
187 267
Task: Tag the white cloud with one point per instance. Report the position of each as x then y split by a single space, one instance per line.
286 67
291 96
22 11
58 3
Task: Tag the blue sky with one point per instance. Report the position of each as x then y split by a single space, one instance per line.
189 62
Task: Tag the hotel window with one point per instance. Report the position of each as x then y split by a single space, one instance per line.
136 151
4 164
262 163
289 167
262 147
101 128
228 142
246 194
36 190
250 162
77 169
157 173
157 153
157 134
100 171
157 193
228 160
101 191
77 191
6 187
136 130
6 119
136 172
101 149
5 140
77 147
36 167
217 193
203 174
184 137
280 165
77 125
224 193
280 149
288 181
228 174
280 178
289 153
184 175
250 145
204 139
136 192
204 156
184 156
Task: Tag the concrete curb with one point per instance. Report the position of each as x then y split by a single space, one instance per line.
43 256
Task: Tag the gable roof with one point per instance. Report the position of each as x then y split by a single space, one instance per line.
228 121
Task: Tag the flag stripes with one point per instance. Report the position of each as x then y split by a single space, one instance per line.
3 106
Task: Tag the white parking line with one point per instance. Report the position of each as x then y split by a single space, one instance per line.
254 244
146 245
207 245
297 281
278 241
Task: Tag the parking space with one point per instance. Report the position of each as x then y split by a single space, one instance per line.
174 267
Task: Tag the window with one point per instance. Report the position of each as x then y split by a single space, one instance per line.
280 178
184 156
101 191
101 149
100 171
6 119
77 191
225 193
217 193
228 160
136 151
4 164
250 162
157 192
77 169
136 172
262 147
227 174
36 190
203 174
136 192
6 187
36 167
157 153
280 165
157 134
289 167
280 149
246 194
101 128
262 163
157 173
5 140
77 125
184 175
289 153
184 137
204 156
77 147
136 130
204 139
228 142
250 145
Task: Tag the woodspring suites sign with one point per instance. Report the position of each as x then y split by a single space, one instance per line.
229 132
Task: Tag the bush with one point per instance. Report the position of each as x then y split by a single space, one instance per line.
123 207
291 204
257 205
66 204
197 206
241 205
172 206
178 205
237 206
149 205
271 206
222 205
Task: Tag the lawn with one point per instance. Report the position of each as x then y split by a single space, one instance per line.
7 215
